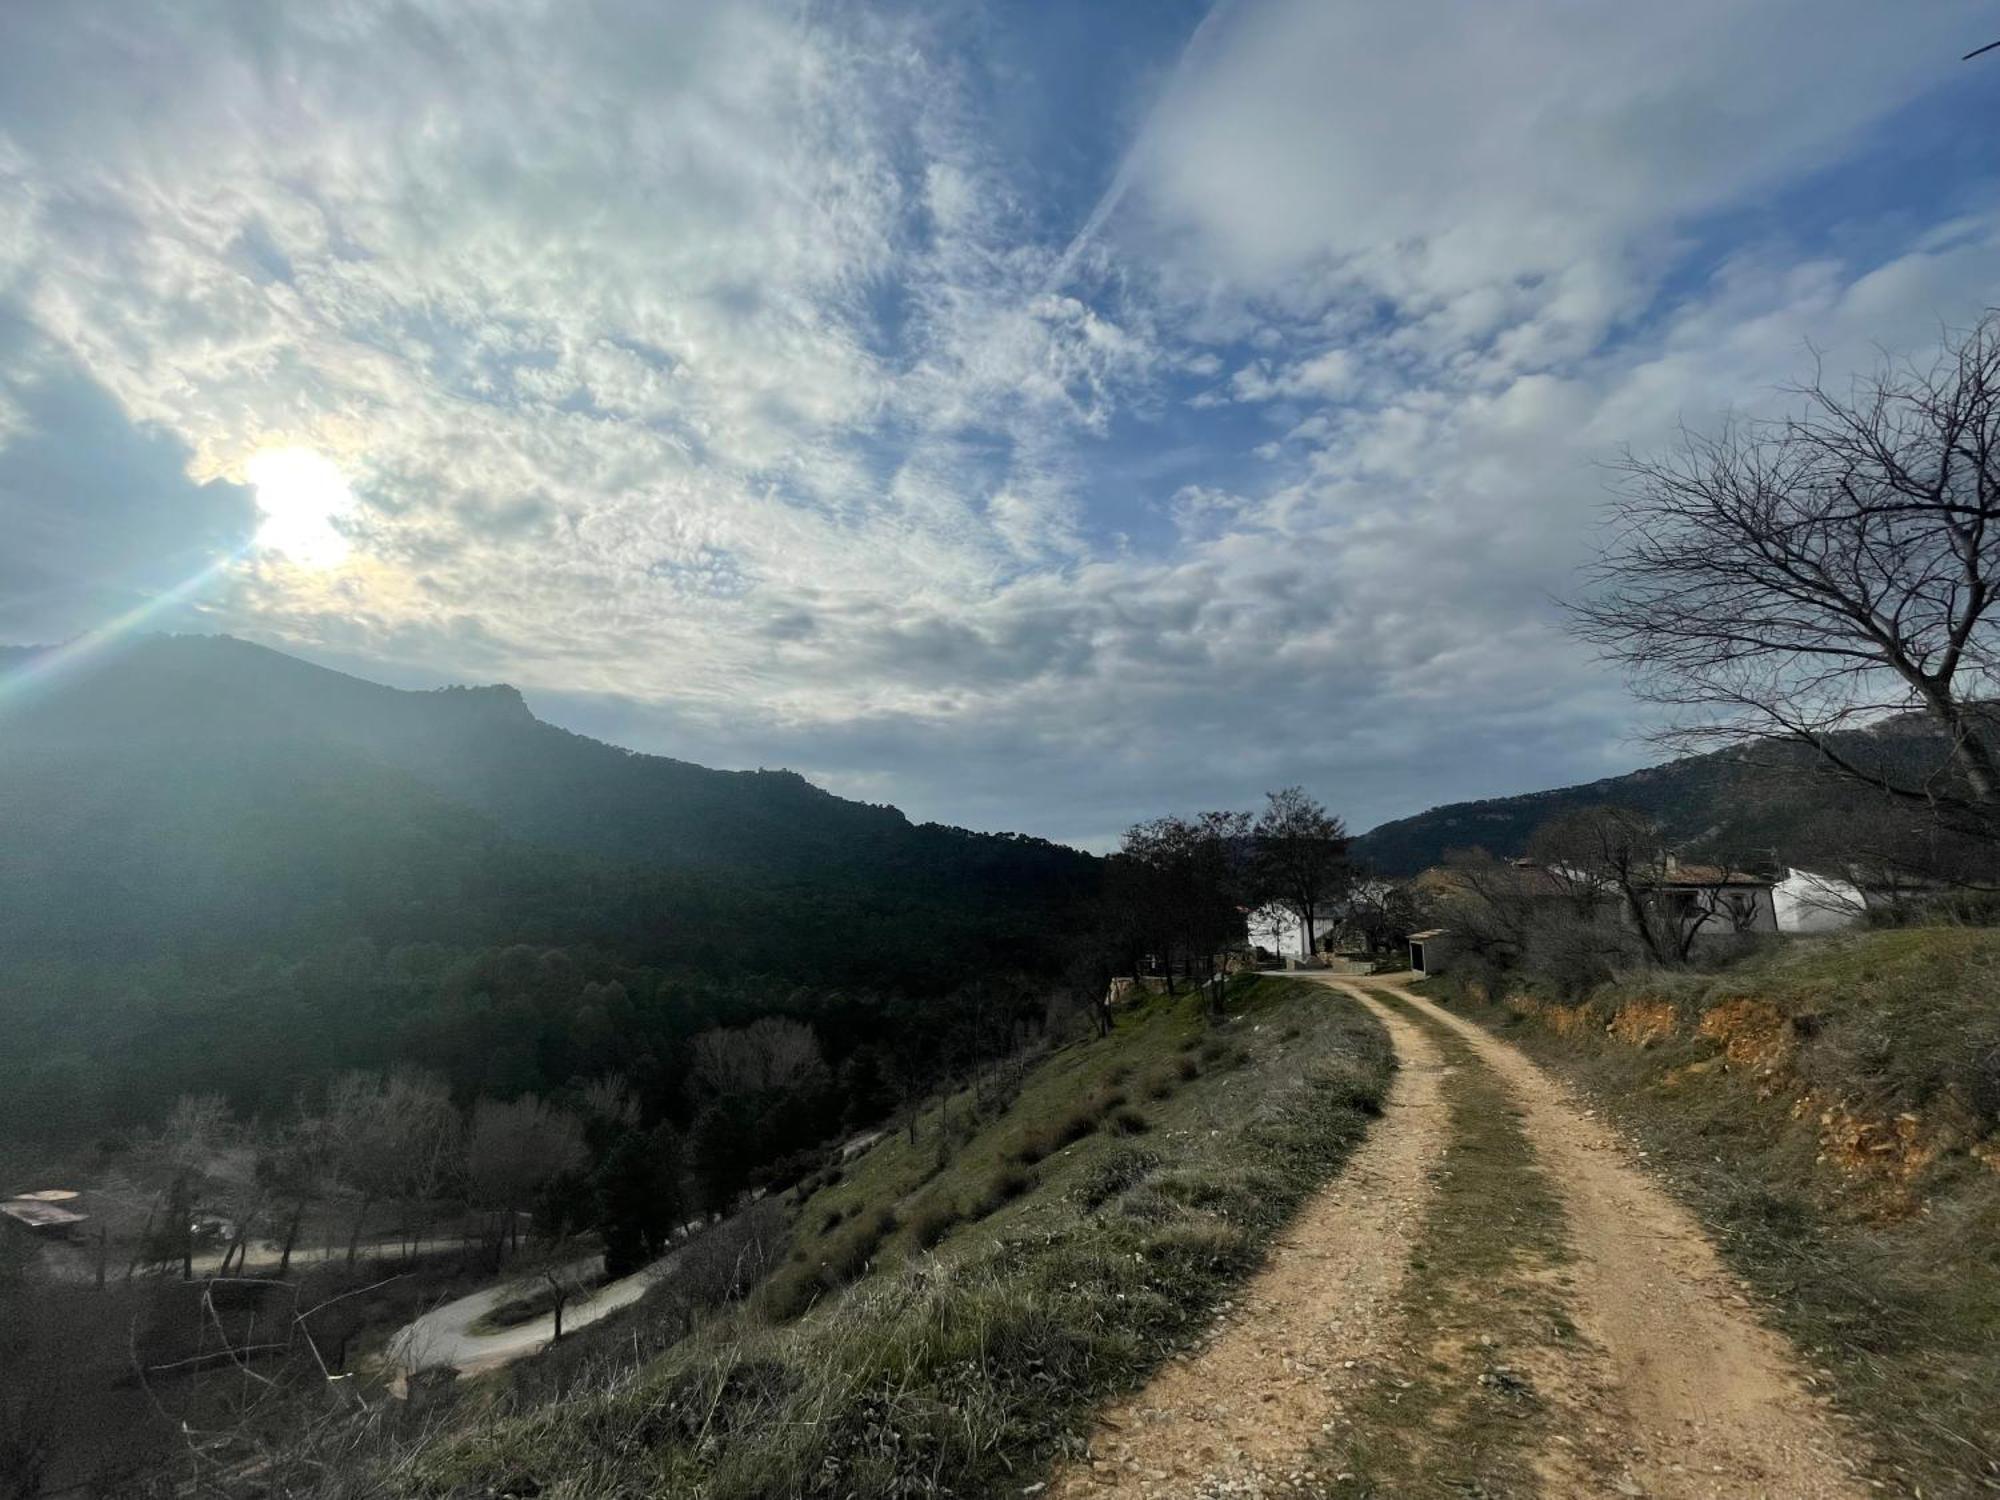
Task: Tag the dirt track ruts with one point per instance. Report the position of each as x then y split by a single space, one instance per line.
1254 1398
1697 1397
1716 1401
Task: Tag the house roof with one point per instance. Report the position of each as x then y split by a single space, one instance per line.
1708 875
1432 932
38 1215
1520 876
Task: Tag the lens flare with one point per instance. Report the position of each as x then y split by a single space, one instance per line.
47 667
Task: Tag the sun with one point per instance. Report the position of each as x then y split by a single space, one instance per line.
301 495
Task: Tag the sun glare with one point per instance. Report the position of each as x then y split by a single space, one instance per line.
301 494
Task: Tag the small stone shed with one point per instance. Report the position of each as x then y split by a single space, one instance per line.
1430 951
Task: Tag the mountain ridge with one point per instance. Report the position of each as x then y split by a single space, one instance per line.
112 770
1775 804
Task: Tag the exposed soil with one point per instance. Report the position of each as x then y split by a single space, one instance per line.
1257 1397
1663 1382
1716 1403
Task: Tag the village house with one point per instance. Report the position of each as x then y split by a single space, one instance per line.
46 1212
1703 902
1807 901
1714 899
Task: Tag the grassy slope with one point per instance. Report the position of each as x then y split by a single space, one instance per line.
1826 1108
1080 1233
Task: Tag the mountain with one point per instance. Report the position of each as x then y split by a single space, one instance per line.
1771 805
202 790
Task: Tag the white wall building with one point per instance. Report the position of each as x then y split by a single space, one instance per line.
1278 928
1808 902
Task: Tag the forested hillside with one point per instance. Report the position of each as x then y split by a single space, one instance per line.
1774 805
226 869
208 732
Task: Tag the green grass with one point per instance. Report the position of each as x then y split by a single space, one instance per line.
532 1300
1048 1286
1890 1287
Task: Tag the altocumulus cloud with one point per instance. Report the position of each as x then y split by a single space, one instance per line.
1035 423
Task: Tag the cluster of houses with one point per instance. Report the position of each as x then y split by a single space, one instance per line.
1706 903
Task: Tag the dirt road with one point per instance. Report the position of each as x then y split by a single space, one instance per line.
1254 1399
1642 1368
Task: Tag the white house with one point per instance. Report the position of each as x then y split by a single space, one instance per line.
1809 902
1279 929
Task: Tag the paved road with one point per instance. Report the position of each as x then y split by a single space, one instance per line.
444 1337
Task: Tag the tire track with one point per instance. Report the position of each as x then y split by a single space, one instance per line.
1713 1404
1244 1411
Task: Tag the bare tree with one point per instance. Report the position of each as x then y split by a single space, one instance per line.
516 1148
1382 913
770 1054
360 1146
1792 580
1301 857
608 1101
292 1165
1519 917
195 1132
428 1139
392 1136
1598 858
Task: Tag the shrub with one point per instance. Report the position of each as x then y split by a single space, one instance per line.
932 1221
1160 1084
1003 1188
1047 1140
1144 1204
1035 1145
1123 1168
1189 1069
1348 1082
1126 1120
796 1288
833 1217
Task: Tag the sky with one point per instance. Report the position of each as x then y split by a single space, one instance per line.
1037 416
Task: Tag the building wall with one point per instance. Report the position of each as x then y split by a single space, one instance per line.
1806 902
1761 916
1278 929
1436 955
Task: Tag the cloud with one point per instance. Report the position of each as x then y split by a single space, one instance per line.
1326 376
1441 153
98 515
757 385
